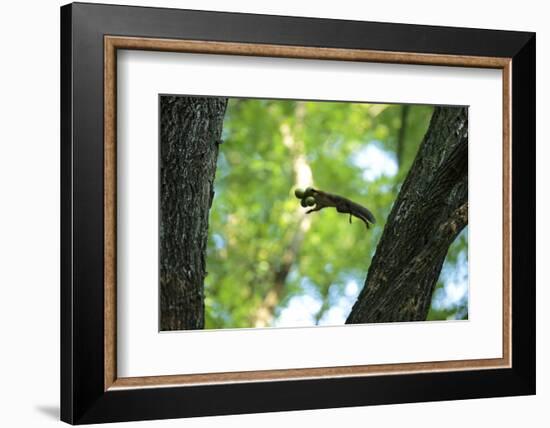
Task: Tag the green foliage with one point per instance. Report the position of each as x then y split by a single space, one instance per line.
450 298
264 254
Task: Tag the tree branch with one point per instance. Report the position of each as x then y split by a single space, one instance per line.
428 214
414 271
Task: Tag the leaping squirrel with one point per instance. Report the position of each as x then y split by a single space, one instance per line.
318 199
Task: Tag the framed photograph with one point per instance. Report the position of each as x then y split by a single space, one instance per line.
266 213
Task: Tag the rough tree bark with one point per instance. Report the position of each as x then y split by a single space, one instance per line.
189 139
429 212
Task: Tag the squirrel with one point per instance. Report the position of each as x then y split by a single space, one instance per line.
319 200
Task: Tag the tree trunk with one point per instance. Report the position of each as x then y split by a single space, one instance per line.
189 139
429 212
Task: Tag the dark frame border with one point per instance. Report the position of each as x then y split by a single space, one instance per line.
83 399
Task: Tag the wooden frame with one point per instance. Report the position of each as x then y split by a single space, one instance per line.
112 43
513 53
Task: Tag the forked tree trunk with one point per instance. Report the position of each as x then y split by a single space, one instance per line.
429 212
189 139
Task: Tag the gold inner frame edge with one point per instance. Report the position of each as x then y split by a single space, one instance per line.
113 43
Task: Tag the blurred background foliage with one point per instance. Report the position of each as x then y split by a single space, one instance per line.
268 263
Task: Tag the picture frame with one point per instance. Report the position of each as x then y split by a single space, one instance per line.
91 35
